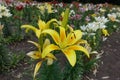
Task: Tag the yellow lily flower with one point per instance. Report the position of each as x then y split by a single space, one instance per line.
93 15
105 32
42 9
38 54
47 7
42 26
67 43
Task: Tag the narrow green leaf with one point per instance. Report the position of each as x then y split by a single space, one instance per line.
65 19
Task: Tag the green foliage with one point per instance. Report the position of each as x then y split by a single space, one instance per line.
82 66
90 64
97 39
50 72
65 18
112 26
76 72
15 59
4 58
7 60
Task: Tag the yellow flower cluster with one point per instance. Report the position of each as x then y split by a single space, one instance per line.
68 41
45 7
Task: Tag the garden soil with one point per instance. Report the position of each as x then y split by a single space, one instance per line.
109 65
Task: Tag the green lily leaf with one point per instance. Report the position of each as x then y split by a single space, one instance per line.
65 19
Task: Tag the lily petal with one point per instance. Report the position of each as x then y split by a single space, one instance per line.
38 65
47 42
49 61
54 34
80 48
29 27
71 56
41 24
34 54
105 32
70 28
73 37
48 49
38 33
62 34
81 41
36 44
49 22
50 55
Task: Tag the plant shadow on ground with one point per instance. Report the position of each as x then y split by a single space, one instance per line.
108 69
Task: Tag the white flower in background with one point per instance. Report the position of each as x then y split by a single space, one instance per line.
34 3
100 22
102 26
90 6
91 28
118 14
2 8
102 10
87 18
113 17
101 19
7 14
55 10
118 9
113 9
71 5
83 28
114 26
104 38
72 13
60 4
86 7
4 12
94 26
80 5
